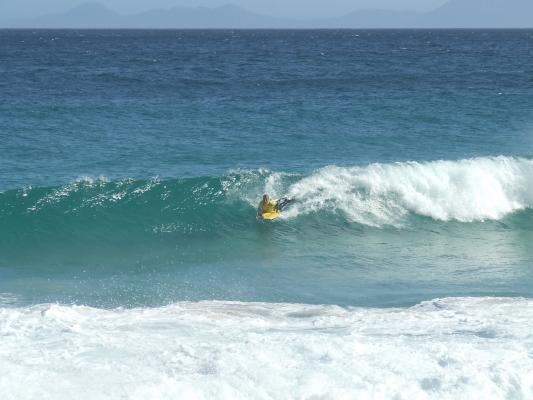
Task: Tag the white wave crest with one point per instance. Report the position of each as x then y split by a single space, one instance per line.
466 190
455 348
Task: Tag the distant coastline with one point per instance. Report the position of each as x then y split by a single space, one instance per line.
513 14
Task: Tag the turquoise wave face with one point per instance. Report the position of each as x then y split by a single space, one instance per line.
381 234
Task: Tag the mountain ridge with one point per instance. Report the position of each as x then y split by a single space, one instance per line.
453 14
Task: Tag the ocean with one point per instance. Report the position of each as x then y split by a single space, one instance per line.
132 265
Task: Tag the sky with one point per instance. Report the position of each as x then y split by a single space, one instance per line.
294 9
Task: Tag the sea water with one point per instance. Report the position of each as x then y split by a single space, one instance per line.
131 262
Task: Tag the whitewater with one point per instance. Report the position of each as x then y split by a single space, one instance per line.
379 194
452 348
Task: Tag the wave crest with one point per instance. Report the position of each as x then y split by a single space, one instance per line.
466 190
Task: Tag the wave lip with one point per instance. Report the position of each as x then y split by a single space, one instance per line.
453 348
468 190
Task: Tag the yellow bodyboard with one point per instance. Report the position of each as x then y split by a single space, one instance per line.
270 216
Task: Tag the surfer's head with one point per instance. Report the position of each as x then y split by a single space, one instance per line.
266 198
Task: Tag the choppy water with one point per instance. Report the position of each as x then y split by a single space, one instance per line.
131 163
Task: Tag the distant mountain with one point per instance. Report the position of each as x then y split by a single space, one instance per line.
90 15
227 16
374 19
453 14
96 15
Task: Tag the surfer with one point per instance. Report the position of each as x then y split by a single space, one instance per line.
268 205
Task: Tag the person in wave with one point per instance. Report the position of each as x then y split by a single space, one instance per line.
268 205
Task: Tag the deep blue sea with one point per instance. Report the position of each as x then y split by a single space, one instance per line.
132 265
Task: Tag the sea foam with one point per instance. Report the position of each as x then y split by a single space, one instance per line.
453 348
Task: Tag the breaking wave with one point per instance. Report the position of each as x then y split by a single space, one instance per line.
378 194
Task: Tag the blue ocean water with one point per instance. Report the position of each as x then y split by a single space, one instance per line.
131 165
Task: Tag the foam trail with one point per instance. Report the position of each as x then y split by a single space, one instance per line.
466 190
454 348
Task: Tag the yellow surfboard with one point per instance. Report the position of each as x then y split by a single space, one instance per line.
270 215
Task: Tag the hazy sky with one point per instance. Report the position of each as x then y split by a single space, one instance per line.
299 9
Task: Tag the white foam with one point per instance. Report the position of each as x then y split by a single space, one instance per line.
466 190
457 348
